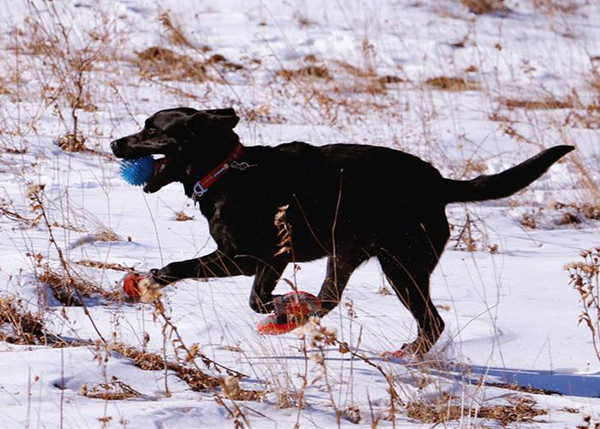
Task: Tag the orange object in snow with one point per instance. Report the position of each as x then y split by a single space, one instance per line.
292 310
131 285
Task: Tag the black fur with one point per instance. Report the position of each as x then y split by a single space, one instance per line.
347 203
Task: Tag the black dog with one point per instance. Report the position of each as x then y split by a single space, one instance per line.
347 202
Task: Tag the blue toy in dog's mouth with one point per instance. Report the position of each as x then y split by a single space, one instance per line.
137 171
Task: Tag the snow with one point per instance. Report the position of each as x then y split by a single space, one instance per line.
511 315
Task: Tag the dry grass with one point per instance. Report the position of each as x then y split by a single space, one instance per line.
232 390
543 104
440 412
195 379
181 216
21 326
107 235
174 30
352 414
570 214
470 236
384 290
594 80
71 142
586 177
70 288
104 265
447 83
330 85
556 6
165 64
68 58
589 115
262 113
310 71
528 220
519 410
390 79
587 210
111 391
285 400
585 279
102 234
588 423
220 60
159 63
481 7
26 327
526 389
11 214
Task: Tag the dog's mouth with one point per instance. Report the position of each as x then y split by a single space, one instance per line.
161 176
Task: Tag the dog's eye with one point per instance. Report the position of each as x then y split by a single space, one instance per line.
151 131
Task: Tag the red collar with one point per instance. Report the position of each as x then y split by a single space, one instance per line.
202 185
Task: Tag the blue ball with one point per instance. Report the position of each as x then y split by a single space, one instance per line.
137 171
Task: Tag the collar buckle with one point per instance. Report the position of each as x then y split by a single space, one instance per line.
199 190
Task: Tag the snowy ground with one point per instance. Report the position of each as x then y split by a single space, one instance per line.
322 72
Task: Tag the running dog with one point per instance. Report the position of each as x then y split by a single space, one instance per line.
345 202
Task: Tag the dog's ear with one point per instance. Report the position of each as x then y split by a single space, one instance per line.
221 112
225 117
206 121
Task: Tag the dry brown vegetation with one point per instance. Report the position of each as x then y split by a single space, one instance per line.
480 7
196 379
111 391
181 216
26 327
556 6
573 214
306 71
547 103
165 64
104 265
451 83
588 210
71 142
519 410
65 78
585 279
160 63
471 236
69 288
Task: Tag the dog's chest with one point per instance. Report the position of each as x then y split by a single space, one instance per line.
224 219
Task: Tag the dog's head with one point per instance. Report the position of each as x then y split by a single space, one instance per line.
187 143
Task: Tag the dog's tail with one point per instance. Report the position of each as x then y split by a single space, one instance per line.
506 183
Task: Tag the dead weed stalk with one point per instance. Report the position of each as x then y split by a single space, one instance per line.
584 278
27 328
66 75
34 194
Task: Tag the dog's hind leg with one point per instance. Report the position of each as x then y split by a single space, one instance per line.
216 264
267 276
410 281
336 279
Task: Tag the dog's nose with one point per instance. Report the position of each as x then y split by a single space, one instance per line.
117 147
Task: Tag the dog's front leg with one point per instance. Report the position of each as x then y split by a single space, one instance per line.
216 264
336 279
267 275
